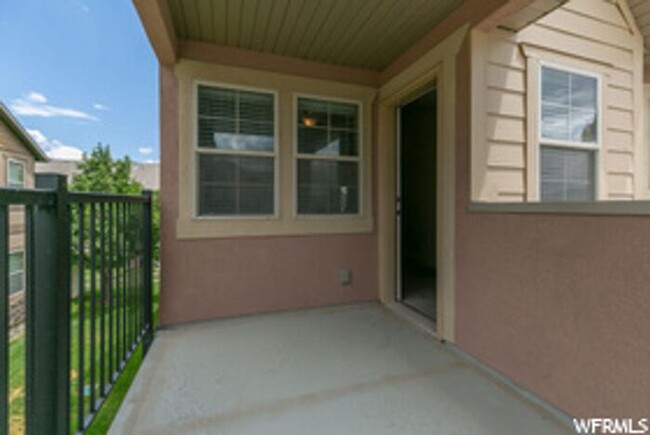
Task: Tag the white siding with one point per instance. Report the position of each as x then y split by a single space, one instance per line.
591 35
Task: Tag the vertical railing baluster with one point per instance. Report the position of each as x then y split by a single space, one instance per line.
132 264
138 302
128 277
118 286
4 320
147 270
93 290
102 296
81 320
124 281
111 265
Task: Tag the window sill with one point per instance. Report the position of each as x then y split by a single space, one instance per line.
598 208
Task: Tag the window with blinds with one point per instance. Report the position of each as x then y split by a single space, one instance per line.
569 138
328 157
236 152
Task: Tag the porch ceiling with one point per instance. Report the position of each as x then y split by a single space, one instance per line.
641 11
366 34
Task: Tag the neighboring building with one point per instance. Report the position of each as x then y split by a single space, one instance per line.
18 155
147 174
363 151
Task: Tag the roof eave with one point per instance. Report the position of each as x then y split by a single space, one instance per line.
22 134
157 22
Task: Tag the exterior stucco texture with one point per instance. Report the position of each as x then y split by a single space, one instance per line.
559 303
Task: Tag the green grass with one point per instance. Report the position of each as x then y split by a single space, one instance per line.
109 408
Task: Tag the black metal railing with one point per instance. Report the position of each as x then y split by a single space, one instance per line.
88 293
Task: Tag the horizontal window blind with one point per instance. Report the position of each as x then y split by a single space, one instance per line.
567 174
236 152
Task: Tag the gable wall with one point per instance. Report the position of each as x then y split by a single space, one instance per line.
588 35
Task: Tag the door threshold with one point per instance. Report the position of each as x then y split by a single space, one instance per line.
414 317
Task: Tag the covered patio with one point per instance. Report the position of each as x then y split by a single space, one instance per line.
349 369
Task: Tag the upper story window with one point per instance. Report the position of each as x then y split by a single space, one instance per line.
15 174
569 135
328 157
236 152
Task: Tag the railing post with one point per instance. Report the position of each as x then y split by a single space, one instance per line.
147 269
48 324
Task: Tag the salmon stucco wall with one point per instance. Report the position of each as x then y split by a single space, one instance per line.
217 277
558 303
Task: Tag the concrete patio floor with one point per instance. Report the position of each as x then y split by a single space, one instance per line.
356 369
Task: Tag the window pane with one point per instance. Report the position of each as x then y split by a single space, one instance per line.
328 187
327 128
235 120
584 94
217 133
16 272
217 102
235 185
343 115
584 126
255 106
16 175
312 113
555 122
569 106
255 136
344 143
555 86
567 174
312 140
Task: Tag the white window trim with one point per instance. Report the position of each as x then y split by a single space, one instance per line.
24 166
595 147
196 150
359 159
22 271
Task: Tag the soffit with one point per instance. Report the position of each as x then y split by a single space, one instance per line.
366 34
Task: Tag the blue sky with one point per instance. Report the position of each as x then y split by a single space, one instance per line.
78 72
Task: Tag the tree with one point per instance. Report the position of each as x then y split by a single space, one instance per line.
99 172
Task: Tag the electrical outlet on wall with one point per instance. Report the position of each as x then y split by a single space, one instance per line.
345 276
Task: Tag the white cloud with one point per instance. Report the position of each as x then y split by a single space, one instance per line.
37 97
145 150
98 106
38 137
55 149
35 104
